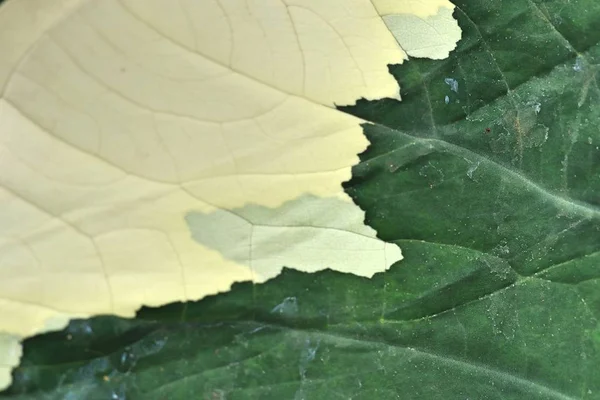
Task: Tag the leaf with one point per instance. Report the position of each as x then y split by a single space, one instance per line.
492 195
498 294
155 151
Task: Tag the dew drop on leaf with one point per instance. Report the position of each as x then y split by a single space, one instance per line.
288 307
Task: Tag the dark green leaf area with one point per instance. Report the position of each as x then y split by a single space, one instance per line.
445 323
496 148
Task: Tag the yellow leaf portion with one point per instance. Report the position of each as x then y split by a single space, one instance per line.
434 36
423 28
418 8
10 354
155 151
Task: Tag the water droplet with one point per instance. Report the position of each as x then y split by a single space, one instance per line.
453 83
447 100
288 307
501 250
127 360
472 169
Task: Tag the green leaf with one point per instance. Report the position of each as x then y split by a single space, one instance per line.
487 175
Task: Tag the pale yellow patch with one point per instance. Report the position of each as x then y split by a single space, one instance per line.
418 8
432 37
154 151
423 28
10 354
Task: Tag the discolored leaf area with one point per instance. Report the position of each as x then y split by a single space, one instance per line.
487 175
